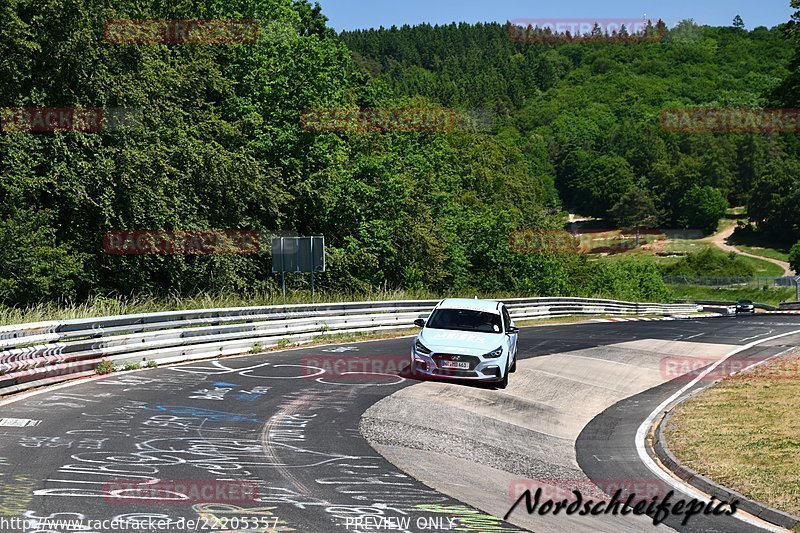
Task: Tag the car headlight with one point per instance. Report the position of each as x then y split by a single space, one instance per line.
494 353
421 349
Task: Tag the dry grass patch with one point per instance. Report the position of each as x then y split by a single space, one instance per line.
745 433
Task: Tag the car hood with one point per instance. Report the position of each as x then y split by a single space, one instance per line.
466 342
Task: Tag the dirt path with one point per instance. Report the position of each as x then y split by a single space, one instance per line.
721 241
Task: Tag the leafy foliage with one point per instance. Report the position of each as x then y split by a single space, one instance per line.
634 210
711 262
596 107
702 208
631 279
219 145
794 257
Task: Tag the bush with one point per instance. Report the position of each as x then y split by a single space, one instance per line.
104 367
702 208
152 364
257 348
631 279
131 365
711 262
33 265
794 258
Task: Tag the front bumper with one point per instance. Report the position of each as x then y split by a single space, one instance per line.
480 368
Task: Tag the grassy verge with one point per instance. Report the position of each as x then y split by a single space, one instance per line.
763 268
716 262
101 306
676 249
771 253
745 434
764 296
750 240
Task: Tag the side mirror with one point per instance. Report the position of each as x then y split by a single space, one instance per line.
513 329
420 322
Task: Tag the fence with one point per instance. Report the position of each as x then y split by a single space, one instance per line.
36 354
733 282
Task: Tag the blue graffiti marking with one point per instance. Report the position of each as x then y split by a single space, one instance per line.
199 412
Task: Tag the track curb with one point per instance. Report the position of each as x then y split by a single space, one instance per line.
659 447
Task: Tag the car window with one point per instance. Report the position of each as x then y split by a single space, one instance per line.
465 320
506 317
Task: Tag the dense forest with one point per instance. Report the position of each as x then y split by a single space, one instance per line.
219 145
588 115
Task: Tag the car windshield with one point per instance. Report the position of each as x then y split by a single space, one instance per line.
745 302
465 320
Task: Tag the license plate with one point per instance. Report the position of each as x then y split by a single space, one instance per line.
455 365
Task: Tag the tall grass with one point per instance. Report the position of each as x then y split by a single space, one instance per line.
109 306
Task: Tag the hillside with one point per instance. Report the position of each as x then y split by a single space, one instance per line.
588 115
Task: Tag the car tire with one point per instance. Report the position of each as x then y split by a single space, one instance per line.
503 383
513 366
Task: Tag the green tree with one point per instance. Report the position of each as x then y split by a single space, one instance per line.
773 201
787 93
635 210
702 208
686 31
33 267
603 184
794 257
738 23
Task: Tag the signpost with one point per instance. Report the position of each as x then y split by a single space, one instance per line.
298 254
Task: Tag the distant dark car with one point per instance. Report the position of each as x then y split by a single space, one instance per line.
745 306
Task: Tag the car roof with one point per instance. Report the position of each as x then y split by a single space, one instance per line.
487 306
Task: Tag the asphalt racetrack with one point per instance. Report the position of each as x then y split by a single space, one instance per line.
276 441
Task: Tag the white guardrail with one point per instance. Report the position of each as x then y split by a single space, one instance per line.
43 353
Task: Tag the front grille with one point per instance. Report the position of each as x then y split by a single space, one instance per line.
471 359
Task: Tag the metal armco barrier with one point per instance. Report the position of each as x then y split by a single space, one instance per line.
44 353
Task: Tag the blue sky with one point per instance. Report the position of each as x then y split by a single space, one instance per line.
353 14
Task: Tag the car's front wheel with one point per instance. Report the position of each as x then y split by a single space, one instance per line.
503 383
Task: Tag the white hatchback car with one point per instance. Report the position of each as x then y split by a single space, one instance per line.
466 339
